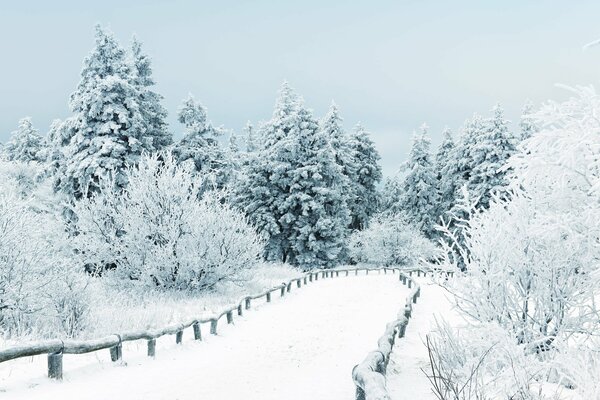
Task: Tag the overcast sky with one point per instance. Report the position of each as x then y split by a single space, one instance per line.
391 65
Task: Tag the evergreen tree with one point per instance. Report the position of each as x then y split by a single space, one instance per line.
391 196
251 145
107 130
494 147
446 184
341 145
200 147
420 198
527 123
153 113
292 188
366 177
25 144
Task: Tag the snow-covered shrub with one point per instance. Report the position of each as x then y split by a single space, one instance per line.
484 363
390 240
156 233
532 258
34 255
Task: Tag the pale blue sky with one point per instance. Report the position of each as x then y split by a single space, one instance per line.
390 64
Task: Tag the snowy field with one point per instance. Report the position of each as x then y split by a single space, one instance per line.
300 347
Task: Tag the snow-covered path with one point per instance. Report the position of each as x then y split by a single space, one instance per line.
405 378
302 346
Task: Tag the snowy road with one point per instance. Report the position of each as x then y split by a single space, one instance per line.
405 378
302 346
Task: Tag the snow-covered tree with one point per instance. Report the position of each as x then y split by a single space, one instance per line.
446 184
527 124
419 189
250 133
109 132
494 147
25 144
389 240
365 178
391 195
200 147
291 189
158 234
152 112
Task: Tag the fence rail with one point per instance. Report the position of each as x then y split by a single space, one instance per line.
369 375
55 348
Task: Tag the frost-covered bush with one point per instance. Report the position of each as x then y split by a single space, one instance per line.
532 258
390 240
156 233
34 257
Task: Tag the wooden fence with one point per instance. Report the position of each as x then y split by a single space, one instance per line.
369 375
56 348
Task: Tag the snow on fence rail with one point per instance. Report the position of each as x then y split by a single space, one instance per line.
56 348
369 375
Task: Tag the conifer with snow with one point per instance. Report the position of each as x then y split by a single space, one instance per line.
446 185
367 174
153 113
494 147
420 198
25 144
527 123
292 188
200 147
250 133
108 128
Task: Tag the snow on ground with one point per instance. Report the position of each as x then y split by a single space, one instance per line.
405 378
300 347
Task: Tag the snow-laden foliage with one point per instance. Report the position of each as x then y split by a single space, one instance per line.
41 292
366 178
109 129
157 233
251 139
527 123
25 144
532 257
419 199
389 240
200 147
292 188
152 112
446 185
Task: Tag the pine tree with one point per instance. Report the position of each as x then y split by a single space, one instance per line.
420 198
265 185
493 149
251 145
341 145
391 196
153 113
527 123
446 185
317 202
108 131
292 188
25 144
200 147
366 176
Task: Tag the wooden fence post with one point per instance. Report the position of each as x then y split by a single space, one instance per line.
179 337
240 309
298 283
282 291
337 273
55 365
289 287
268 297
409 283
347 272
151 347
310 277
305 282
116 352
229 317
197 331
356 271
213 326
